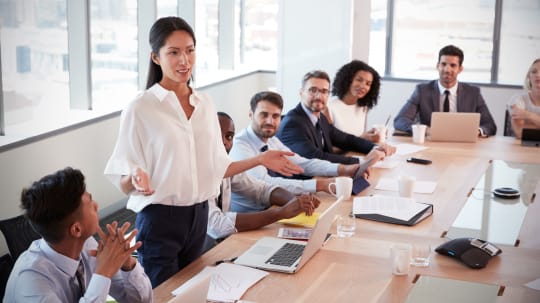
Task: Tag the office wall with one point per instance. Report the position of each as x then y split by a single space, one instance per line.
88 149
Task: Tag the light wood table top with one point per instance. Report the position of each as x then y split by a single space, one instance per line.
357 269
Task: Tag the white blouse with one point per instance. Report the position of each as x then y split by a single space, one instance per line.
348 118
185 159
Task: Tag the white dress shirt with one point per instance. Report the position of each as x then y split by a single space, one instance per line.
222 222
246 145
43 275
452 97
185 159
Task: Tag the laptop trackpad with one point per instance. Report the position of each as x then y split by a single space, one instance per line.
262 250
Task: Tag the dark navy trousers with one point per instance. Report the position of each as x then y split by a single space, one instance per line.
171 236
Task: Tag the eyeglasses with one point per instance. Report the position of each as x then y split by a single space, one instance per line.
313 91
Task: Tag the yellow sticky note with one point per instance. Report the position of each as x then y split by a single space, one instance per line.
302 220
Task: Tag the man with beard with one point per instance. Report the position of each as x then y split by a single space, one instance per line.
445 94
307 132
259 136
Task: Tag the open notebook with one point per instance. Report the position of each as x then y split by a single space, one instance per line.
288 256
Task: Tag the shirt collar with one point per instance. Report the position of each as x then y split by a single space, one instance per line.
453 89
310 114
64 263
257 142
161 93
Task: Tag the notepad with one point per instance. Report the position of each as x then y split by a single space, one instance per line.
449 290
302 220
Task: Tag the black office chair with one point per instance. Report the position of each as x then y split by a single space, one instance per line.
19 234
508 125
6 265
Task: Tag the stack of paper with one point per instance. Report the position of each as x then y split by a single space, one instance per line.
229 281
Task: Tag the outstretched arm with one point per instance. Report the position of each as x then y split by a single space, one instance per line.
273 159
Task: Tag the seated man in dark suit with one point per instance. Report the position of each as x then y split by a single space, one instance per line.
445 94
307 132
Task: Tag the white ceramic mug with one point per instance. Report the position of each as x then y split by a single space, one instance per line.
419 133
342 187
382 130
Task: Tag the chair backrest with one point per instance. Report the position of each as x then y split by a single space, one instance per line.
6 265
508 125
18 234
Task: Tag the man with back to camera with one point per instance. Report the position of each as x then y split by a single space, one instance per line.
222 222
445 94
68 264
265 115
307 132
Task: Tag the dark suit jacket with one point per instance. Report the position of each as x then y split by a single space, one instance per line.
425 100
298 133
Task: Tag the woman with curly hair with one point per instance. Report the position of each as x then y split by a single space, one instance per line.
356 90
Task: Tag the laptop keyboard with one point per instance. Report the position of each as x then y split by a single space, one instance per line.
286 255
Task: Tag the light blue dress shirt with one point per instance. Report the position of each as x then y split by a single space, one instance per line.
43 275
247 144
222 222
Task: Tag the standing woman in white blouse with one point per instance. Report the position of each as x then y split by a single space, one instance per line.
355 90
169 156
525 107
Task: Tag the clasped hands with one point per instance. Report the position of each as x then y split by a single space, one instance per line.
114 250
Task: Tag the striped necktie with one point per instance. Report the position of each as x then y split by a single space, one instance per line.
80 278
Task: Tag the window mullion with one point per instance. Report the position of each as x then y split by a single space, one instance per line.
496 42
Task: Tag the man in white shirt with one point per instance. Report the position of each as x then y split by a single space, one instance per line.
265 115
67 264
222 222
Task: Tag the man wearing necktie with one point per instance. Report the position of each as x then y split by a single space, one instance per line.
306 131
68 264
222 221
445 95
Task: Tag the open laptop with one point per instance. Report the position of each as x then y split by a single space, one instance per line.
194 290
454 127
530 137
274 254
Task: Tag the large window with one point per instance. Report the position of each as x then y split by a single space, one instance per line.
421 27
520 39
34 63
259 34
113 39
35 54
206 32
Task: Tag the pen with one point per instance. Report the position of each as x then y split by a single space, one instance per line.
387 120
225 260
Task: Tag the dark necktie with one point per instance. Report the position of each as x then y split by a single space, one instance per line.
446 105
270 172
319 133
80 278
220 197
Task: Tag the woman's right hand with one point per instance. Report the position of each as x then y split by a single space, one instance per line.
141 182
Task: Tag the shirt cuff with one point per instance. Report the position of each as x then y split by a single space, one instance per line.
482 134
98 288
311 185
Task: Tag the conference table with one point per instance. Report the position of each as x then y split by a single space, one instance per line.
357 269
